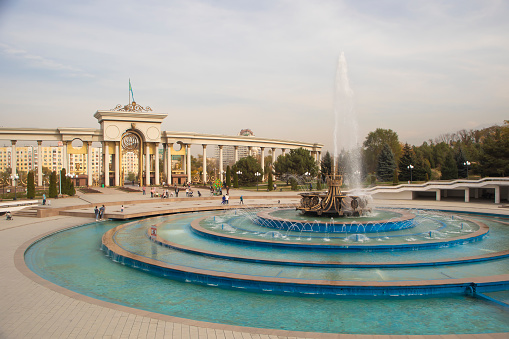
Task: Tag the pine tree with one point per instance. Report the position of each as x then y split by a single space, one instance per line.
53 192
228 177
235 179
30 185
449 168
270 182
386 164
407 159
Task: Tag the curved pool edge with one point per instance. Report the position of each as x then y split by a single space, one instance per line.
299 286
22 267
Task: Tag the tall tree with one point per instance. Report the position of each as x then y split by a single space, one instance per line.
407 159
297 161
375 142
53 192
326 165
270 182
248 166
449 168
495 152
30 185
228 177
386 164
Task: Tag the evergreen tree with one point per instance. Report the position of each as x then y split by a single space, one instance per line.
386 164
395 180
460 163
495 152
71 190
31 185
63 178
326 165
449 168
297 161
235 179
248 166
270 182
318 184
407 159
228 177
53 192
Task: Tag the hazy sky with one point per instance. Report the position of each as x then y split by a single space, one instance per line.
421 68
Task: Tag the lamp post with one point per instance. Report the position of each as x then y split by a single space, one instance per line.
310 185
467 163
410 167
14 178
257 174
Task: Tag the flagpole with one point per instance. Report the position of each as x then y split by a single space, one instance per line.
129 90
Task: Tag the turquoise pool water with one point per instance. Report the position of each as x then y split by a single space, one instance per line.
73 259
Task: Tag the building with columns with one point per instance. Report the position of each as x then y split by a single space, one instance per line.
131 139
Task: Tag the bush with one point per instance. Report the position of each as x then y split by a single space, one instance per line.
294 184
30 185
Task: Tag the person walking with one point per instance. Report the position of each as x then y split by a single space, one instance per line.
227 197
241 200
44 198
144 190
96 211
122 209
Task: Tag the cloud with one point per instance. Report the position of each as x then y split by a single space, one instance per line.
39 62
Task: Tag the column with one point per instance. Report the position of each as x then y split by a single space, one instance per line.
168 163
117 163
438 195
39 162
89 163
106 152
476 193
497 194
221 163
156 162
14 159
65 160
188 154
262 159
165 160
273 157
204 174
236 153
467 194
147 164
283 151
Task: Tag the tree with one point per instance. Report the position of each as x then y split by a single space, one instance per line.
53 192
297 161
495 152
407 159
228 176
235 180
375 142
460 163
326 165
270 182
386 164
248 166
449 168
31 185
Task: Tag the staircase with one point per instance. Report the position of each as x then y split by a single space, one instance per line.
30 212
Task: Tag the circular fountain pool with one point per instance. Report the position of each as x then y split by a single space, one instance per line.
289 280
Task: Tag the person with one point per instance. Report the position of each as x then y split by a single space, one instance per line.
310 186
227 189
227 197
223 201
275 187
152 192
176 192
144 190
241 200
122 209
44 198
199 194
101 212
96 211
187 191
8 216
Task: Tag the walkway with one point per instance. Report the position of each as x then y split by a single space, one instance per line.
33 308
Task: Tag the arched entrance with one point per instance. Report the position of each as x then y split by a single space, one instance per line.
132 157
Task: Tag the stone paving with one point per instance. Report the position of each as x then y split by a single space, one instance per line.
31 307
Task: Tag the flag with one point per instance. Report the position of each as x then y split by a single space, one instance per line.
131 90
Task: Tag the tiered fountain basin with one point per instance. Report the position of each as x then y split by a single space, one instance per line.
279 220
196 254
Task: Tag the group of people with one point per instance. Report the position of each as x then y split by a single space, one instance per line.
99 212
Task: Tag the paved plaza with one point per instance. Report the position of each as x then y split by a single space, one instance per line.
31 307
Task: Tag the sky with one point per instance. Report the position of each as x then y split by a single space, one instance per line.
420 68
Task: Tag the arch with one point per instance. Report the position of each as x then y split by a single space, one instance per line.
131 142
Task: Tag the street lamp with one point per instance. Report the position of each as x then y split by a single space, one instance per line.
257 174
410 167
467 163
15 177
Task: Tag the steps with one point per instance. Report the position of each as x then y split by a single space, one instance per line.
30 212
